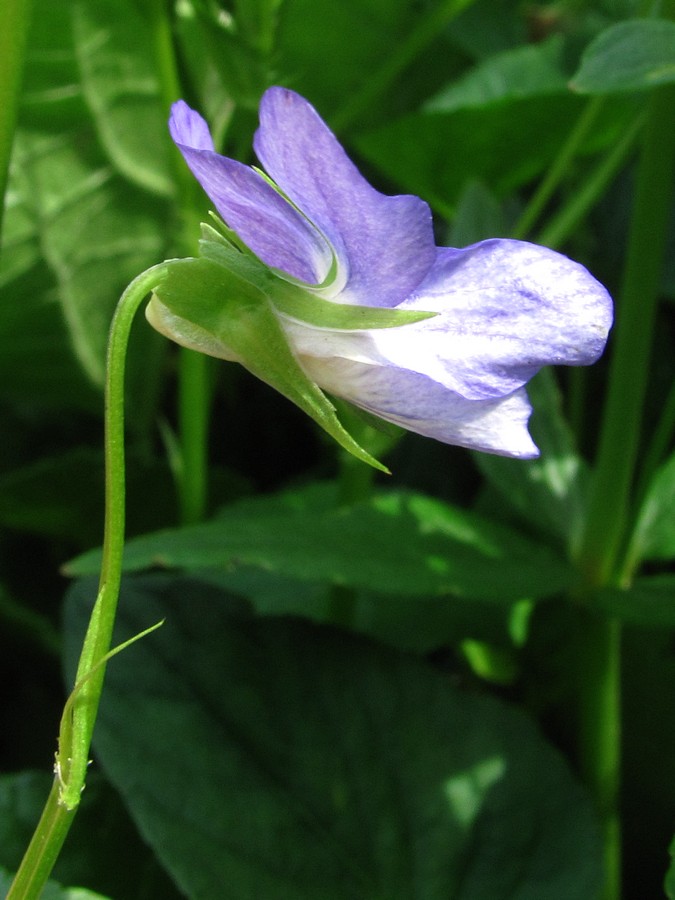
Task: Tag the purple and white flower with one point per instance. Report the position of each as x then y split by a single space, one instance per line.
504 308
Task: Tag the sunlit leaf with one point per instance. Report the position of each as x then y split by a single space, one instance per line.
628 56
404 544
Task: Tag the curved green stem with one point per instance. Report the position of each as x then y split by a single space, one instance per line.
79 718
14 24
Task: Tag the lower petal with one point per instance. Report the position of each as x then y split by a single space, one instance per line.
426 407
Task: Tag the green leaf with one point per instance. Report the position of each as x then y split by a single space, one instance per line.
84 231
289 761
313 31
114 50
62 496
404 543
94 235
416 624
479 216
213 310
52 890
628 56
654 534
489 27
549 492
525 71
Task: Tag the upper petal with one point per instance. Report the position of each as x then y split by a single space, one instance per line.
385 243
264 220
506 308
418 404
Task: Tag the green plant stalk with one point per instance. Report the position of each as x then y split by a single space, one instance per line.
559 167
79 718
428 26
355 483
194 406
194 369
632 342
597 657
15 18
598 671
563 224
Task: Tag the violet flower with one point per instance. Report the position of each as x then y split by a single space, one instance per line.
503 308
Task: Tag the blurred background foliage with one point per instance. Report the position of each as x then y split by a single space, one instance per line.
469 105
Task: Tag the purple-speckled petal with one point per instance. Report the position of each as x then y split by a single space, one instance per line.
386 244
418 404
506 308
264 220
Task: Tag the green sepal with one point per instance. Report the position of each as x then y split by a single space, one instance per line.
311 309
220 312
303 303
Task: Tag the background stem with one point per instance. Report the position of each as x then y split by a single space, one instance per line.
559 168
194 369
598 660
632 343
14 24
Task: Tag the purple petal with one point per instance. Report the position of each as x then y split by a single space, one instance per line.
267 223
426 407
506 308
509 308
385 243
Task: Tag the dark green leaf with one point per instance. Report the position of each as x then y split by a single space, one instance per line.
102 834
62 496
400 543
417 624
503 145
648 602
629 56
289 761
